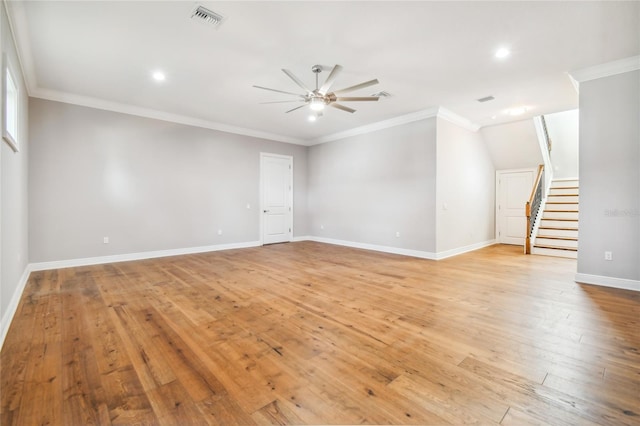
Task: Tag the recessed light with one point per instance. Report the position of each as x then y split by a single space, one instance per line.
312 118
517 111
503 52
493 117
158 76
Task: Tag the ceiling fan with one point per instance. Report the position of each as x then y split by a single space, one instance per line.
320 97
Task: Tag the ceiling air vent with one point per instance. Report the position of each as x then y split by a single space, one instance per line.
486 99
206 16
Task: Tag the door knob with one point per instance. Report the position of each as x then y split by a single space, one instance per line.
265 211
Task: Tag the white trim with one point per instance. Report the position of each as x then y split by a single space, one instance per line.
13 304
20 34
380 125
396 250
458 120
600 280
92 102
302 238
607 69
71 263
546 156
375 247
460 250
397 121
565 179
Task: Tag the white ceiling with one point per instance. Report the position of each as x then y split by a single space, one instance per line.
426 54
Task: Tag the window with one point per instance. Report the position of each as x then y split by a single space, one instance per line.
10 118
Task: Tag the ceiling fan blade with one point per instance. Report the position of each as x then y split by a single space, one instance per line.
297 80
329 81
357 86
342 107
279 91
282 102
301 106
357 98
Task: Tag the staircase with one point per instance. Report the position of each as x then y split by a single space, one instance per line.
558 231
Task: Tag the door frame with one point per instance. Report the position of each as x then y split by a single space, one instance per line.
263 155
534 170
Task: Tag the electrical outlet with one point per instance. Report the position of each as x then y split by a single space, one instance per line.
321 226
105 240
608 255
248 206
397 234
219 231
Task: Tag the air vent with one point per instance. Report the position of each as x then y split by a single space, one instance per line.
486 99
381 94
206 16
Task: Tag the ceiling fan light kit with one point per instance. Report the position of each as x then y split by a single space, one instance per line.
320 97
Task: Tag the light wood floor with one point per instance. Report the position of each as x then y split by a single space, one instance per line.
312 333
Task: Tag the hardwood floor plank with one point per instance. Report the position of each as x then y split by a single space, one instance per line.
310 333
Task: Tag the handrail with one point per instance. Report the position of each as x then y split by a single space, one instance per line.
533 206
546 133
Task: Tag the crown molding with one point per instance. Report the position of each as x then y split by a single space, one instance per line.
380 125
606 70
397 121
458 120
97 103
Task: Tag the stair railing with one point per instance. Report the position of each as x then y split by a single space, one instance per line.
546 133
533 206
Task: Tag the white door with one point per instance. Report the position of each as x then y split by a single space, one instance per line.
276 183
513 189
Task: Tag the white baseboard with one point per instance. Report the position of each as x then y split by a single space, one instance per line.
622 283
374 247
465 249
13 304
71 263
396 250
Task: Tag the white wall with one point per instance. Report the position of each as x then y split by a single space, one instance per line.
513 145
610 178
465 206
146 184
13 194
563 131
365 188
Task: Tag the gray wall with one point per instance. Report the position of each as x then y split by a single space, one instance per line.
610 176
13 187
466 178
146 184
513 145
366 188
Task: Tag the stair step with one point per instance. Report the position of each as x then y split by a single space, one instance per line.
557 237
559 223
569 254
560 215
561 207
545 246
564 191
560 244
563 198
558 232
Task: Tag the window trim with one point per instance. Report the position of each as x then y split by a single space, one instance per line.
10 100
